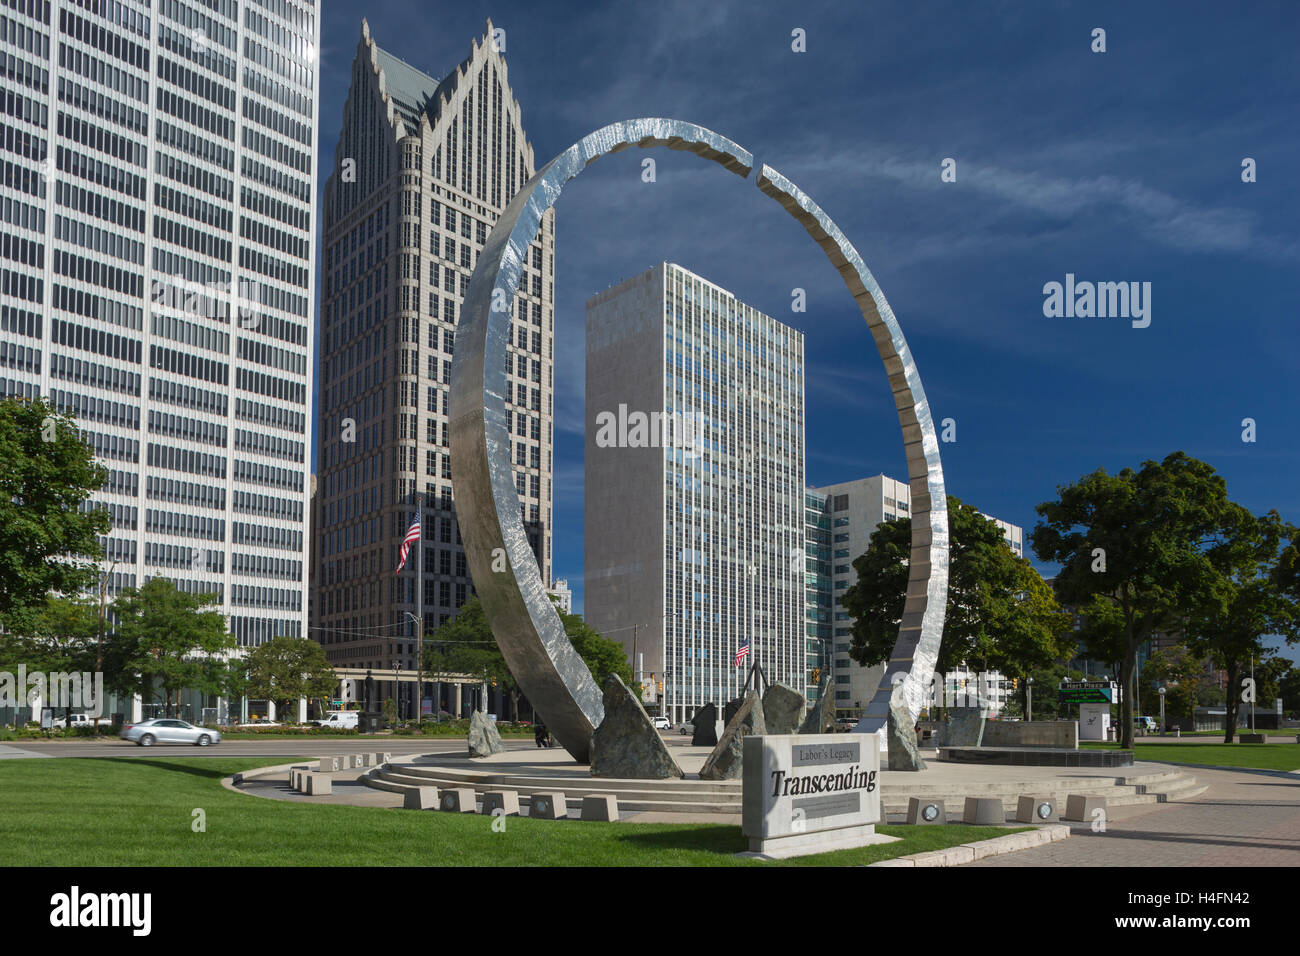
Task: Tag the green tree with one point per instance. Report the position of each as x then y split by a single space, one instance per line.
1243 604
1289 690
1181 673
287 669
48 543
175 638
464 646
1001 615
1132 549
58 637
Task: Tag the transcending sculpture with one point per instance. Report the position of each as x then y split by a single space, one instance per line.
524 621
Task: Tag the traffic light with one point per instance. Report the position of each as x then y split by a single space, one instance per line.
1015 683
816 675
661 687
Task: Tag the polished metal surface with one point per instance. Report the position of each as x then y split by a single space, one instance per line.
523 620
920 631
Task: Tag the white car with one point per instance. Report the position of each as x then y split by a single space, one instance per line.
662 723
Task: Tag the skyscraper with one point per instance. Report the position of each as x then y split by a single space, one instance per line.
694 486
423 168
158 162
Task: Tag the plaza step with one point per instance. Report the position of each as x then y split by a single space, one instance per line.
692 795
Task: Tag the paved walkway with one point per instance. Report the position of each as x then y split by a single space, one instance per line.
1245 818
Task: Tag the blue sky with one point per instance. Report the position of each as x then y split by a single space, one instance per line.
1115 166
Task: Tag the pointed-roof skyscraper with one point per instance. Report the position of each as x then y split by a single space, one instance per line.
422 170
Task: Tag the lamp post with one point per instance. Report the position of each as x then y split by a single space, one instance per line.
1161 692
397 687
1029 700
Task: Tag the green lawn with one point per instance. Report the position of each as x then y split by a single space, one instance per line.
1254 756
138 812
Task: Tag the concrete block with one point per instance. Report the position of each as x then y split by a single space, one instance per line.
1252 739
548 806
345 761
600 806
459 800
1079 807
295 780
507 801
420 798
383 757
359 760
328 764
984 811
916 806
1028 809
318 784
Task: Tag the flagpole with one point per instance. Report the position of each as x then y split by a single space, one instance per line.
419 614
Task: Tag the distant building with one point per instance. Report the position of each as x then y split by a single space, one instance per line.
157 277
560 593
853 511
695 486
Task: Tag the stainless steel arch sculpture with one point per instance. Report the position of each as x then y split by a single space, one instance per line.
526 625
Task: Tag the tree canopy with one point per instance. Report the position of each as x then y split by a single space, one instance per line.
1133 550
48 543
1001 615
465 645
286 669
167 635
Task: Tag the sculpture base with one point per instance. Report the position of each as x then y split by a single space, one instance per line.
823 841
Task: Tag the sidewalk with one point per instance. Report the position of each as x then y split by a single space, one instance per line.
1245 818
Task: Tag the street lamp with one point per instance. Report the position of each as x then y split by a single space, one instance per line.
1029 700
1161 692
397 687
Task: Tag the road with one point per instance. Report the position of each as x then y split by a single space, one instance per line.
300 747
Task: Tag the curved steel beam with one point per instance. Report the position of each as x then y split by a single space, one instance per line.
524 622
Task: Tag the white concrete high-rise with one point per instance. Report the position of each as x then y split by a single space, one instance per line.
423 169
694 486
159 172
854 510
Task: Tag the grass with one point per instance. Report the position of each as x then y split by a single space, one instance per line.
139 812
1254 756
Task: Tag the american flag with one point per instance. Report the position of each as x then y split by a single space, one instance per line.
742 653
412 535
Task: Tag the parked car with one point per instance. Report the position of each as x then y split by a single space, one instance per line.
845 724
341 719
686 728
662 723
169 730
261 723
1145 724
80 720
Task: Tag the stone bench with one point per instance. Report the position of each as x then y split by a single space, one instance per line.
550 805
600 806
316 784
420 798
458 800
507 801
1080 807
984 811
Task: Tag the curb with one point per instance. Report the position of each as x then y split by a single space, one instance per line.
970 852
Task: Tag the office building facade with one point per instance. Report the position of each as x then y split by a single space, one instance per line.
694 487
158 162
853 511
423 168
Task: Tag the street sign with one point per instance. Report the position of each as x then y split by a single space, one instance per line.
1087 692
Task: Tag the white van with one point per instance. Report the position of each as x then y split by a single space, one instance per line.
342 719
